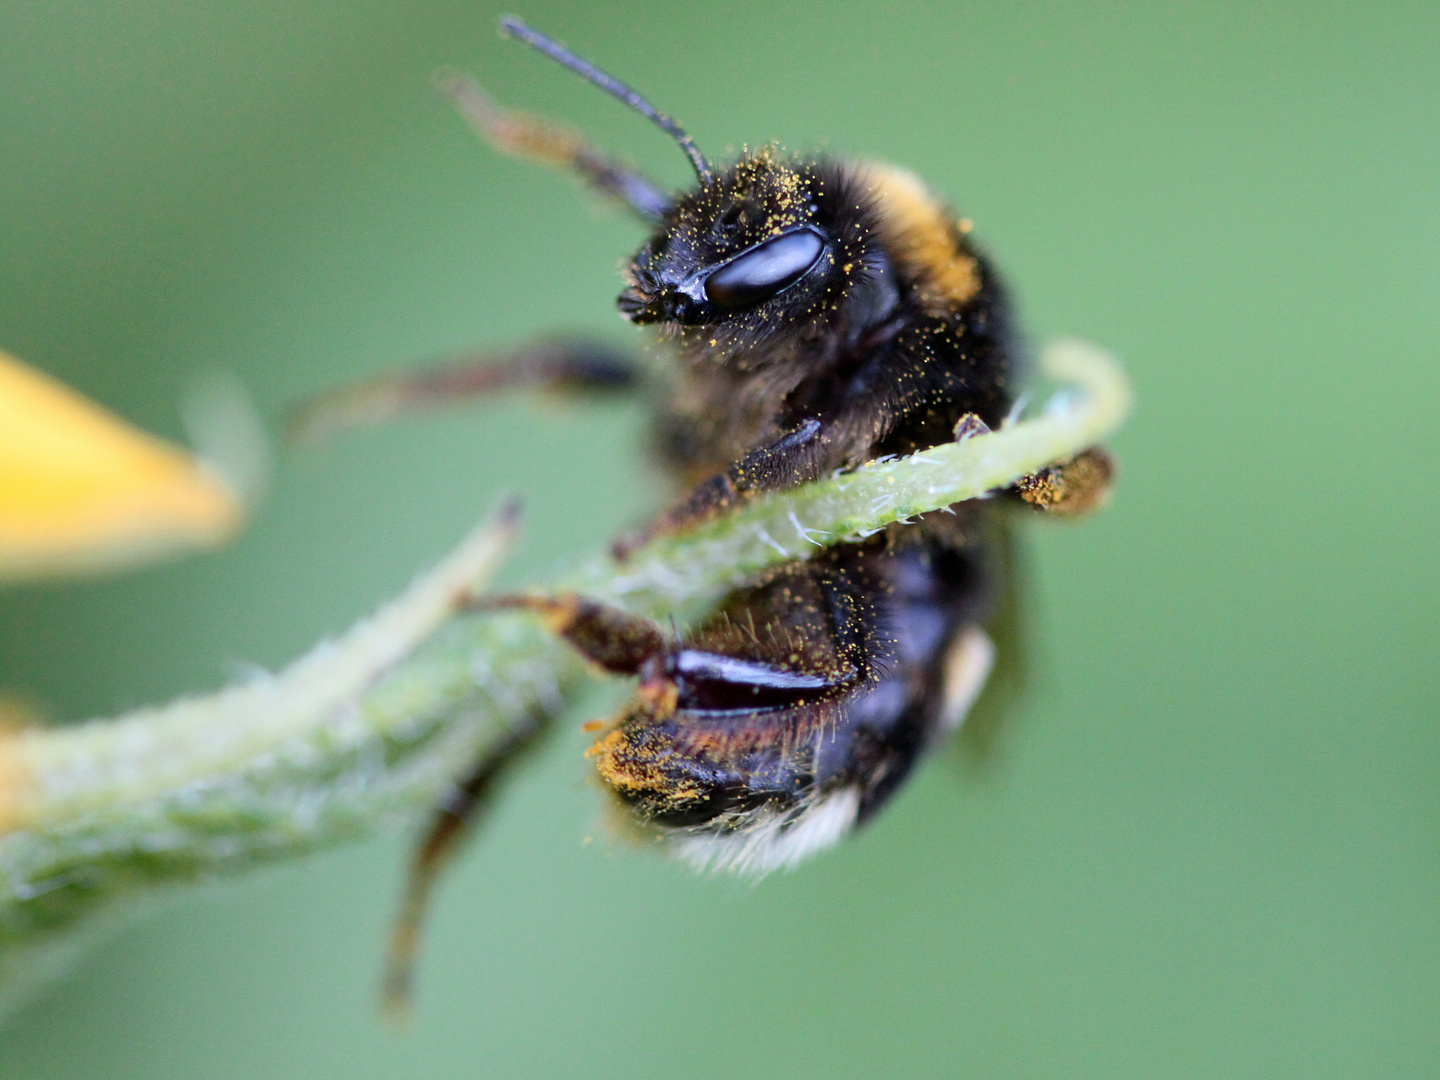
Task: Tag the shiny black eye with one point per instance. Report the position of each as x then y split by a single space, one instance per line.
754 276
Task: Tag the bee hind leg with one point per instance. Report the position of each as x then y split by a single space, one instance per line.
609 638
450 823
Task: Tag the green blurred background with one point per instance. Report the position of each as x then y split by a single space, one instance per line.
1210 845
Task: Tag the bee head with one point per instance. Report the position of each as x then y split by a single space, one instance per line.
766 245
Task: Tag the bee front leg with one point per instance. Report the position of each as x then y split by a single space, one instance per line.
522 135
548 366
796 458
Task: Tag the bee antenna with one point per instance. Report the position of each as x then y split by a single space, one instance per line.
510 26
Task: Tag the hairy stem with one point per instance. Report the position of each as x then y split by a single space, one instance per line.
380 721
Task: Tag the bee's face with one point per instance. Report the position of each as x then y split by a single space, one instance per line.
756 247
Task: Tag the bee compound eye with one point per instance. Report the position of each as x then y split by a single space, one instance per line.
754 276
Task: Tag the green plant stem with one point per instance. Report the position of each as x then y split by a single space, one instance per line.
380 721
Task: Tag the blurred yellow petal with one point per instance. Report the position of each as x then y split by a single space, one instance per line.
81 491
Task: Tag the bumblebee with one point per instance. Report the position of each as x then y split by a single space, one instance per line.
820 313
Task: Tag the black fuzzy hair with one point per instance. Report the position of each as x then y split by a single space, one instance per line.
762 194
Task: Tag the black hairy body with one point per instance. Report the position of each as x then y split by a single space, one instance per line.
814 691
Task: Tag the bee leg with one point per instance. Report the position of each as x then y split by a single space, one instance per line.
525 136
1070 488
451 822
609 638
796 458
552 366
